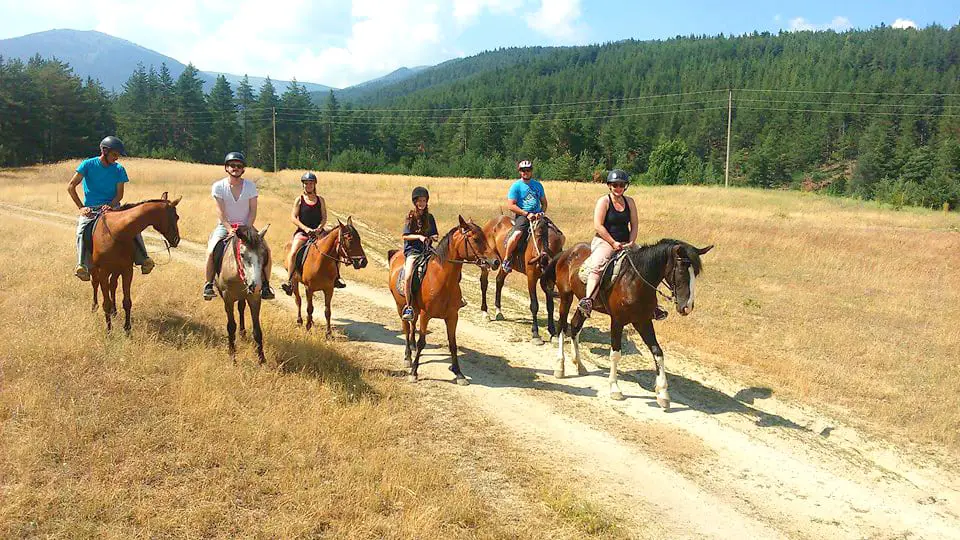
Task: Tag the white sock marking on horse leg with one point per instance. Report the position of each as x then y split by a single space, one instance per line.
576 349
692 280
614 360
558 370
663 396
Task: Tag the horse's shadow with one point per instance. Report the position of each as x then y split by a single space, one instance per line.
294 356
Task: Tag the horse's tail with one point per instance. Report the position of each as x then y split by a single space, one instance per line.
549 277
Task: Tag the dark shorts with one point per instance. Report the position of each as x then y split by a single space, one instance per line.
520 224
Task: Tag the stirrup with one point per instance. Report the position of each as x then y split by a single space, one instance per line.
585 307
208 292
266 292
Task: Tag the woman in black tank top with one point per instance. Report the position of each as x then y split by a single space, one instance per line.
616 230
309 218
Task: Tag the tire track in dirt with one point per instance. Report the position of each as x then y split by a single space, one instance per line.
714 466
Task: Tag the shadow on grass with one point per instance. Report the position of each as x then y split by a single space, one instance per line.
296 356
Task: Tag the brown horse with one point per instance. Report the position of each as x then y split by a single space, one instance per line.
531 262
239 281
630 299
113 245
321 266
439 294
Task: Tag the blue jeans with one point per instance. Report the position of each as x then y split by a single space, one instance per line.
84 247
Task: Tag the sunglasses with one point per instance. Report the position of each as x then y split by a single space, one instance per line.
526 169
236 166
621 185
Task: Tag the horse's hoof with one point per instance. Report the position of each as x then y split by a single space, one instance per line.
299 322
582 370
536 340
411 378
407 363
558 374
663 400
499 317
462 381
617 396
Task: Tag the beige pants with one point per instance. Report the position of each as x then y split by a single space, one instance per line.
600 253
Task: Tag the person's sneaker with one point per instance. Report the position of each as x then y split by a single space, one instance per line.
147 266
339 283
266 292
208 292
407 314
659 313
82 273
287 288
505 266
585 307
463 302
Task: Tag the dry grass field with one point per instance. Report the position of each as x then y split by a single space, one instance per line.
157 434
840 303
843 305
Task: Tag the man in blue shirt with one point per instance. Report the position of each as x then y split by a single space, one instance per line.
102 179
528 201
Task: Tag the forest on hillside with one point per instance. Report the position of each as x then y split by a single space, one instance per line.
873 114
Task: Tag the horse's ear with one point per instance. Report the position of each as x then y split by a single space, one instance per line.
339 223
703 251
350 221
264 231
177 201
164 196
675 250
463 224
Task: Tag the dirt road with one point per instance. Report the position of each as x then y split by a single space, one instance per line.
726 461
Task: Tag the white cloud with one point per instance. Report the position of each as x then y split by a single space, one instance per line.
557 20
466 11
838 24
904 23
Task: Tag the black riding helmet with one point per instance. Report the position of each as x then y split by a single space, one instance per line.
234 156
113 143
420 191
618 175
308 177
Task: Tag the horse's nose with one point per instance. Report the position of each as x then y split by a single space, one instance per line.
687 309
494 263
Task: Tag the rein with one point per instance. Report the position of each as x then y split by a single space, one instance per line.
669 297
343 256
477 259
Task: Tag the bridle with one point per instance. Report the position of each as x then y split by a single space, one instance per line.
670 283
477 259
343 256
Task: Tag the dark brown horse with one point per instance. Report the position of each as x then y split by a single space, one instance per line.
531 262
439 294
113 245
630 298
321 267
239 281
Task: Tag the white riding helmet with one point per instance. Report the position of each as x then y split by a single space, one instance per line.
525 164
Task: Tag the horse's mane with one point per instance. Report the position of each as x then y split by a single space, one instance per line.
249 237
443 247
127 206
649 259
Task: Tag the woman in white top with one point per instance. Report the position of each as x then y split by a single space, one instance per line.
236 205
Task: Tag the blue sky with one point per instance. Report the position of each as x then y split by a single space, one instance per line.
340 42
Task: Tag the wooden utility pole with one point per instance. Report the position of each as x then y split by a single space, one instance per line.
726 167
274 139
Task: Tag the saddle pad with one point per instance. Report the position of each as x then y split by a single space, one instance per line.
419 270
613 268
302 254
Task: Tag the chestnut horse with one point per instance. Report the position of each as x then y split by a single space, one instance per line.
531 262
630 299
321 266
439 294
113 245
239 281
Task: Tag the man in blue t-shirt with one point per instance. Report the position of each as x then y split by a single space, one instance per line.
528 201
102 179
